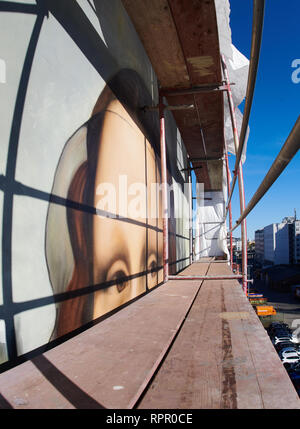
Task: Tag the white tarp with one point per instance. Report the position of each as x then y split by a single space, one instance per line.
238 66
210 232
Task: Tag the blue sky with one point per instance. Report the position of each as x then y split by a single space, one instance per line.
275 108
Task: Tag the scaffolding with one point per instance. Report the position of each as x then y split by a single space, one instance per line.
287 152
180 308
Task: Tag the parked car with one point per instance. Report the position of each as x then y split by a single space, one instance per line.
280 331
288 361
273 330
279 327
294 376
288 351
281 346
296 291
295 338
289 357
277 340
295 367
282 335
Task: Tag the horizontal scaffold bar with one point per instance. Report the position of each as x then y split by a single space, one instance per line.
174 107
208 159
225 277
195 90
218 261
211 223
207 199
191 168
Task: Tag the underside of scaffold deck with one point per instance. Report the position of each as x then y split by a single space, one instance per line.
181 40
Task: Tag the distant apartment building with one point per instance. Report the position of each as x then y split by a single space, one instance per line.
296 239
270 243
283 253
237 243
259 245
279 243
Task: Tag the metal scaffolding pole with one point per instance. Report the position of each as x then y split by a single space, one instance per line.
257 28
191 217
230 212
224 277
239 173
163 160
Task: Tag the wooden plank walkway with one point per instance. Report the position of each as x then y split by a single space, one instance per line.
222 357
187 344
108 365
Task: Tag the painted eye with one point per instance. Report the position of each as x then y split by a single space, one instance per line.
152 268
121 281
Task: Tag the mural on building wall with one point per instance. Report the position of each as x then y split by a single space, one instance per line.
115 257
73 127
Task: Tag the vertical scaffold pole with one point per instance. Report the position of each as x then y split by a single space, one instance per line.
230 212
191 217
239 172
163 160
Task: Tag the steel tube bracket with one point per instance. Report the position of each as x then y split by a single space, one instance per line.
167 107
213 87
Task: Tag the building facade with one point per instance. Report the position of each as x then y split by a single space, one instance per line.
279 243
270 243
259 245
282 251
296 242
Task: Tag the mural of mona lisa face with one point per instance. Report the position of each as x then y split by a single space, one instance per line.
85 250
122 249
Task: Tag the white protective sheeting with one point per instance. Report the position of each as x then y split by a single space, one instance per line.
238 66
210 228
210 231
